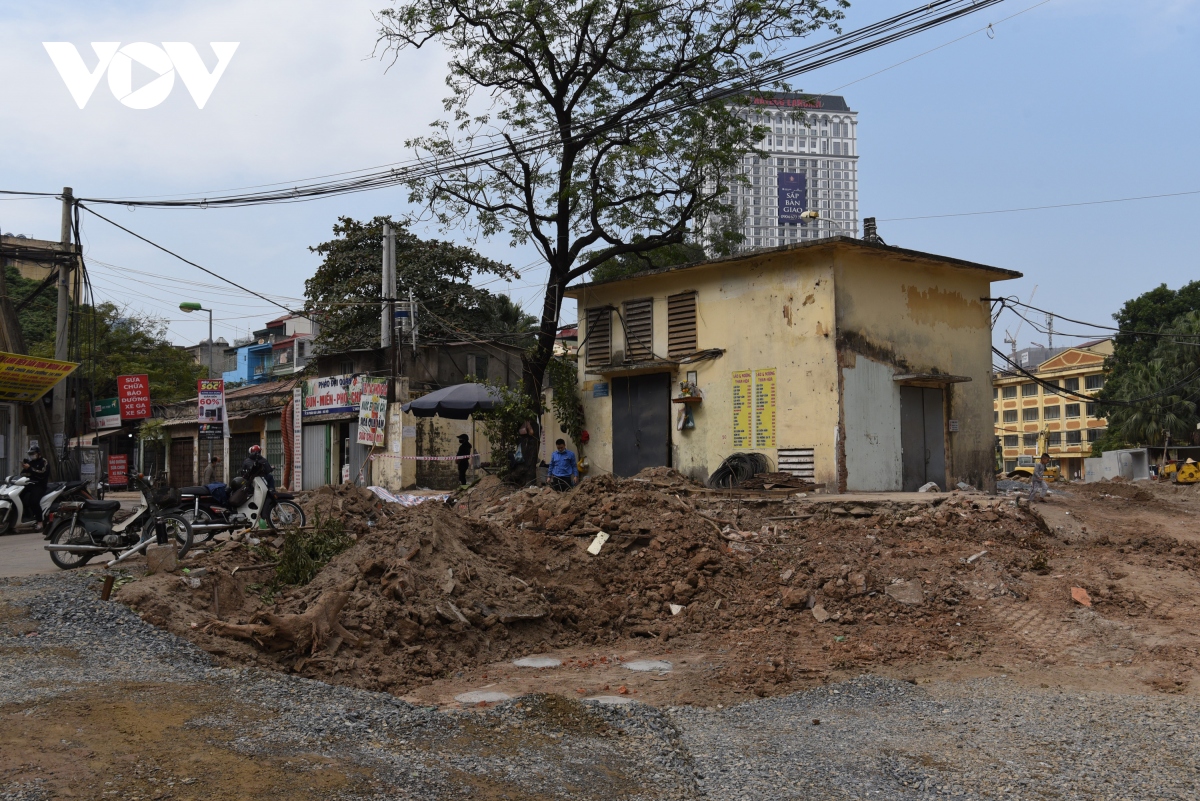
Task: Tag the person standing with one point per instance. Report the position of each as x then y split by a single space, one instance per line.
212 471
1037 482
464 457
563 472
37 470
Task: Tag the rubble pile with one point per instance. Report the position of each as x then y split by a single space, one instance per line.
430 590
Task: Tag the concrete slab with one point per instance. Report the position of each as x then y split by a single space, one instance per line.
610 700
537 662
647 665
481 697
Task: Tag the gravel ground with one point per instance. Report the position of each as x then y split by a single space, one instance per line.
875 738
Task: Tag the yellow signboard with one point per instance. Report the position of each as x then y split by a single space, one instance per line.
764 408
741 408
24 379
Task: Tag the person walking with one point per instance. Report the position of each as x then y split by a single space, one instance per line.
1037 482
563 472
212 471
464 457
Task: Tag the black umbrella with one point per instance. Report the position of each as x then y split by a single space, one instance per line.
456 403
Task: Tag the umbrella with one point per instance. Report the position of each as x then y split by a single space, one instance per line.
456 402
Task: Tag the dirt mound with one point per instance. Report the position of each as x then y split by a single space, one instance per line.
1114 489
429 590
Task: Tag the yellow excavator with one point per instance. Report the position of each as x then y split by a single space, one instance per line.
1025 464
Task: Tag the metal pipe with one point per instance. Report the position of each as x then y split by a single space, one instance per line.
77 548
141 546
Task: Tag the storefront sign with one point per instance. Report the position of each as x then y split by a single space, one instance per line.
211 408
372 413
741 408
118 471
133 391
335 394
297 439
600 389
764 408
24 379
793 197
107 414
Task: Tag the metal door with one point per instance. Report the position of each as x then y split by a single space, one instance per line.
183 466
315 456
922 437
641 422
356 456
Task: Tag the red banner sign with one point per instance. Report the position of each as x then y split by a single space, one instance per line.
118 471
134 394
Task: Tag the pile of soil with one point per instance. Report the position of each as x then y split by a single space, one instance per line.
1114 489
430 590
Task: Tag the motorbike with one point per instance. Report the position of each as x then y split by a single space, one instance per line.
12 506
85 529
246 501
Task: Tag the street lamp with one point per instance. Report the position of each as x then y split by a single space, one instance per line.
189 307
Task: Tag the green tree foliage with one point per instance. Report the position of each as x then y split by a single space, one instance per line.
344 293
502 423
632 263
1150 312
626 170
37 320
117 342
1170 366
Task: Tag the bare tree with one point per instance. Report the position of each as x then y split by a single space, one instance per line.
598 139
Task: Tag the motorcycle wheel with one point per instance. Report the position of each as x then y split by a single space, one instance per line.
286 515
179 529
202 518
6 525
66 532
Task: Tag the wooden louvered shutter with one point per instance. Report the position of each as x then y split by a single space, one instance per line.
681 324
599 336
639 330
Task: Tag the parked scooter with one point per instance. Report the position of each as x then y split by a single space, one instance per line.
85 529
245 501
14 515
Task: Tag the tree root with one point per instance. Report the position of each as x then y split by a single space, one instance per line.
311 631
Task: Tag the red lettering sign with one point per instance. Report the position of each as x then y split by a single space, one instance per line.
134 394
118 471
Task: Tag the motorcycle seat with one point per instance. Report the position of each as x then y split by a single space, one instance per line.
101 506
201 492
54 486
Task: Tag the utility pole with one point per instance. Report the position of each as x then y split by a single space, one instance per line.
58 418
1050 331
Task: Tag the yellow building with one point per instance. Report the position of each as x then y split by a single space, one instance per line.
860 365
1022 408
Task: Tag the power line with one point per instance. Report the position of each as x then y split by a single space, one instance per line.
185 261
1089 398
1012 301
1041 208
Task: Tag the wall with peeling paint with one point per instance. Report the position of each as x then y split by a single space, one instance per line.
921 316
780 310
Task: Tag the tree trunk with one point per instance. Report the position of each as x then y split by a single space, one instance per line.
535 363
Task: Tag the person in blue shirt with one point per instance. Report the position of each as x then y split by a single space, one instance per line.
563 472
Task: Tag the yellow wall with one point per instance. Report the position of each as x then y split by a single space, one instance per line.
922 317
769 311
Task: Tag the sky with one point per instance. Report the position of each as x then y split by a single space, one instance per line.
1071 101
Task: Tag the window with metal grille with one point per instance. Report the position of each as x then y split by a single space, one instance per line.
681 324
1010 392
1074 437
1029 414
1010 441
1030 440
1010 416
1054 439
1094 381
1091 410
797 461
1094 434
1029 390
1053 412
639 329
1071 384
599 336
1072 409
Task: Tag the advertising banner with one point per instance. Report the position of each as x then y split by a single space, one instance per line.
372 413
133 391
332 395
211 413
107 414
764 408
118 471
24 379
297 439
741 408
793 197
